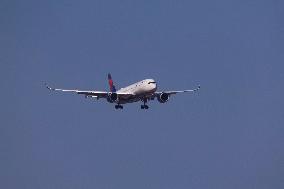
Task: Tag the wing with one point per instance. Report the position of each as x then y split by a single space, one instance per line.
95 94
175 92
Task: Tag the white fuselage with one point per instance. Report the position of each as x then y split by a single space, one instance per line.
144 91
141 89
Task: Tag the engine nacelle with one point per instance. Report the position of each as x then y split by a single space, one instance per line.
112 97
164 97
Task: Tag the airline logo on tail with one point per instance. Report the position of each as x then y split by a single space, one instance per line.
111 85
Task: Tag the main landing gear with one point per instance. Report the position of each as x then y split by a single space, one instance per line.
144 106
118 106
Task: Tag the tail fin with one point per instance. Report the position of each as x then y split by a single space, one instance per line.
111 85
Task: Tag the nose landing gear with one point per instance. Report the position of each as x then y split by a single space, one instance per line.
144 106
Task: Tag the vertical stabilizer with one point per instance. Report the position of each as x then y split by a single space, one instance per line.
111 85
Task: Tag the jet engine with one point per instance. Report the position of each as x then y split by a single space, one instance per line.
112 97
164 97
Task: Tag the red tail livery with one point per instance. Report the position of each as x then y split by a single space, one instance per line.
111 85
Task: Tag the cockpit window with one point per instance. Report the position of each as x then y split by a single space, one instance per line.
151 82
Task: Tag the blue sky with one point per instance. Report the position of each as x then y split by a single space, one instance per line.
230 135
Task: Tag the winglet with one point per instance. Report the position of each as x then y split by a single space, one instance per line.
48 87
197 88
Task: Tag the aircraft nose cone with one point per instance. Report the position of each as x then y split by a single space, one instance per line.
154 86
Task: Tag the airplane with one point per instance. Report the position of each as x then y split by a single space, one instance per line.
144 91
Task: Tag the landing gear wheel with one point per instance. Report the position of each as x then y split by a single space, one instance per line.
144 107
118 106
